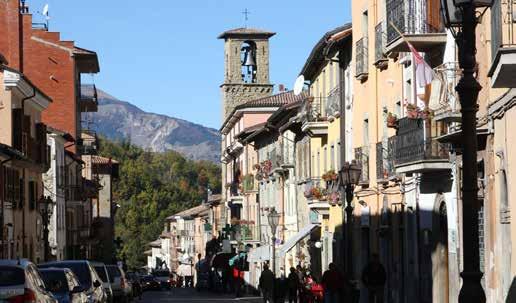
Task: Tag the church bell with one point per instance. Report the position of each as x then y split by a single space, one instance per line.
248 56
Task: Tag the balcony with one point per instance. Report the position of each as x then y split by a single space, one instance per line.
88 145
74 193
418 21
444 100
36 149
362 158
362 62
333 104
380 38
385 161
503 47
315 122
249 231
417 152
88 100
235 192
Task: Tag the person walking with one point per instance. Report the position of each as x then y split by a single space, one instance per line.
293 285
374 278
267 284
332 281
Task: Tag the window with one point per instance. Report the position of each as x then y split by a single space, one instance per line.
366 133
332 157
32 194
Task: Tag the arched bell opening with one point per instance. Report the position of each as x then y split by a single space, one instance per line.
248 60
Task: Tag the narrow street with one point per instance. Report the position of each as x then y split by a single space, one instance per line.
191 295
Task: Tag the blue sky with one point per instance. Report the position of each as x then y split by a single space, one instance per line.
163 56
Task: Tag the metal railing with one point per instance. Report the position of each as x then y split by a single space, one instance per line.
362 158
412 143
314 109
444 98
379 42
361 57
385 160
333 102
250 232
410 17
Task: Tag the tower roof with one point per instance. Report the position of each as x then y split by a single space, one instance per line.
243 32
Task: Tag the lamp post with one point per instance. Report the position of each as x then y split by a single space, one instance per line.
45 212
273 218
460 16
349 177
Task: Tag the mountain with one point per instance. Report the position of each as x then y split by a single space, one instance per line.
118 120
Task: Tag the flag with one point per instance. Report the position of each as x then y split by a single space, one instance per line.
424 73
45 11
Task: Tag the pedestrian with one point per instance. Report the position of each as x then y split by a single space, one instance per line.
267 284
332 281
374 278
293 285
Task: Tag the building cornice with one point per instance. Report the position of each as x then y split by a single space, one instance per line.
15 80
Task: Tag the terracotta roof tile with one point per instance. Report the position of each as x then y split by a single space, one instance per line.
245 32
98 160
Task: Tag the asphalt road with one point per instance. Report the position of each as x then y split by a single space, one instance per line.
180 295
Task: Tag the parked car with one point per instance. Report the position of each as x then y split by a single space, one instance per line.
135 280
20 281
101 270
64 285
119 284
164 278
88 278
150 283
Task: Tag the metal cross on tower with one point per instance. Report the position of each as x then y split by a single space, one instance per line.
246 14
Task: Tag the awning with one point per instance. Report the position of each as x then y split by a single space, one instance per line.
305 231
259 254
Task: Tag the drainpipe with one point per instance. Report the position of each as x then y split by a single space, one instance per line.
2 220
23 176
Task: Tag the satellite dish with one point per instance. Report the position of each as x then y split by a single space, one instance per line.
298 86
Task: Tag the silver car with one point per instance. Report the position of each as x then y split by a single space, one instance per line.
88 278
119 284
20 281
101 269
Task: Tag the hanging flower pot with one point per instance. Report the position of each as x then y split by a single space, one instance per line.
392 120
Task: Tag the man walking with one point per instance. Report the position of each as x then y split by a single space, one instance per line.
293 285
267 284
374 278
332 282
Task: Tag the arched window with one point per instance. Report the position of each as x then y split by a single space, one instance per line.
248 60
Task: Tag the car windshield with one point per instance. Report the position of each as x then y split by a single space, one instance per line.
55 280
162 274
102 273
113 272
81 270
11 276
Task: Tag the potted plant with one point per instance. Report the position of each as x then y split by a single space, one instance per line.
308 193
392 120
426 114
412 111
316 193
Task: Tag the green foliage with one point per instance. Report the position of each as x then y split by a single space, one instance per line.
151 187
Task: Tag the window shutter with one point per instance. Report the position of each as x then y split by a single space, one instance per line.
32 198
21 189
17 128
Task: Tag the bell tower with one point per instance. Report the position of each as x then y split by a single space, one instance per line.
246 67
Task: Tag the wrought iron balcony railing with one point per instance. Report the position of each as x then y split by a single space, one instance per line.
412 17
379 43
362 158
314 109
385 160
413 144
333 102
361 58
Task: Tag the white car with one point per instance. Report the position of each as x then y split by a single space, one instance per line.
20 281
119 284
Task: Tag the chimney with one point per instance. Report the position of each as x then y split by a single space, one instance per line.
281 88
24 8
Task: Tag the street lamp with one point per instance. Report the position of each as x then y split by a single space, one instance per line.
273 218
46 212
349 177
461 18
